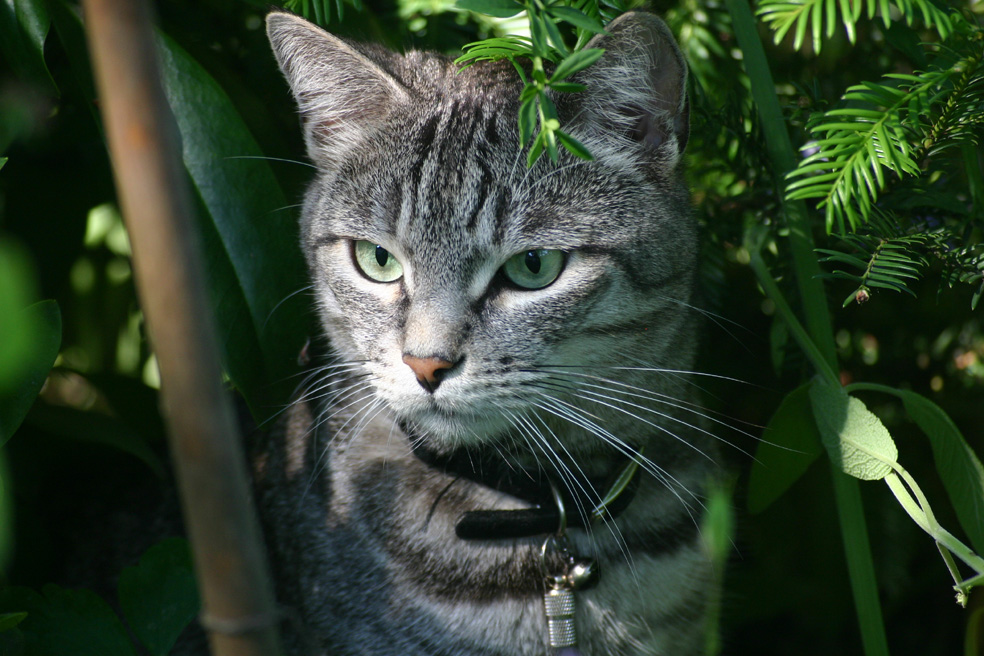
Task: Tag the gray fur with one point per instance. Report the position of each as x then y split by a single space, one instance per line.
421 158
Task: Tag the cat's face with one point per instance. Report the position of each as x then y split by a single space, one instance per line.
480 299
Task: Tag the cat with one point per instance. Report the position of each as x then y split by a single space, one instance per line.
506 408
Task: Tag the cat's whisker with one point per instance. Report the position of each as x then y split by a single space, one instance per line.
664 399
568 478
374 407
611 525
576 416
717 319
273 311
674 486
617 404
273 159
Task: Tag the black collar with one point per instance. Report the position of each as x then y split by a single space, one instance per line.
585 500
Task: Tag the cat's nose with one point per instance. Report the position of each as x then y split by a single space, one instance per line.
429 371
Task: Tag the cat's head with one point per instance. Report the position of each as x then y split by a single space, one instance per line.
481 299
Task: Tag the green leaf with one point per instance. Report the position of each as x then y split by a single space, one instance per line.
573 145
61 622
856 440
790 443
537 148
10 620
159 597
23 30
95 428
567 87
255 268
6 521
556 38
527 120
959 467
31 339
496 8
575 62
577 19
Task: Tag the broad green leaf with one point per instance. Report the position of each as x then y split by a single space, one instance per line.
60 622
856 440
6 523
255 267
959 467
496 8
23 30
790 443
95 428
29 345
159 597
576 62
10 620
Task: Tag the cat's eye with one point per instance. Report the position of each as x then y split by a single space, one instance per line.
534 269
375 262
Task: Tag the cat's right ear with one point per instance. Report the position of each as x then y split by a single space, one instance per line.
341 94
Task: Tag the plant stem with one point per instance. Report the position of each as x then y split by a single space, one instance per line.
860 566
819 337
780 149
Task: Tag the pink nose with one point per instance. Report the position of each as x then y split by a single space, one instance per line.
429 371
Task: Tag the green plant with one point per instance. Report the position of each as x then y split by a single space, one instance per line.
921 362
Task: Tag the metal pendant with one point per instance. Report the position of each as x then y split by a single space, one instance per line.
563 575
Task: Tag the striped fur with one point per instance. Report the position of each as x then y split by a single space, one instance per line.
421 158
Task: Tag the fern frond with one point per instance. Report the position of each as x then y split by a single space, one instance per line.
819 18
883 131
878 263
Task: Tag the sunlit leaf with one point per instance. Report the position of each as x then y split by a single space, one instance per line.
30 343
573 145
577 19
577 61
497 8
856 440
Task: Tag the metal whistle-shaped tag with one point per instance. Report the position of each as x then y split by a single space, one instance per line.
563 574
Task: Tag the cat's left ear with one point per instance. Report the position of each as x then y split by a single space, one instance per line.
637 91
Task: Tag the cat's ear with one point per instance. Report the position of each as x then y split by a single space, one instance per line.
638 89
342 95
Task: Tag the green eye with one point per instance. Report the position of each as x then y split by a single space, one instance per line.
534 269
376 262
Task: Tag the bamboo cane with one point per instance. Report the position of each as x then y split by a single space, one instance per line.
239 609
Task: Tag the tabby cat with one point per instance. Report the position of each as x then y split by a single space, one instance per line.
506 413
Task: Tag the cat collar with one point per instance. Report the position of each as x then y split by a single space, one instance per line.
594 499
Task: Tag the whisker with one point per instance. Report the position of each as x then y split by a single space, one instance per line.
273 159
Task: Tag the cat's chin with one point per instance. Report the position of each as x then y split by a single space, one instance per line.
445 431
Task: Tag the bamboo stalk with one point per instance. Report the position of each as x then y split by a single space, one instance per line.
239 609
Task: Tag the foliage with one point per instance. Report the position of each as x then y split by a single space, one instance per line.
887 112
545 43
